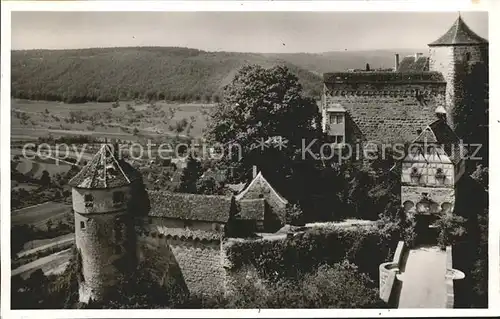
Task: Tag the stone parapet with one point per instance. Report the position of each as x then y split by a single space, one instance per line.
388 272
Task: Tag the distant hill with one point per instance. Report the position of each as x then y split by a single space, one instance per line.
162 73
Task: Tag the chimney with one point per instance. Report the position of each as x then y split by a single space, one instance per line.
441 113
254 171
396 61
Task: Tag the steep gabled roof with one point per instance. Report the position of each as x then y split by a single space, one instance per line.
104 170
410 64
427 136
209 208
259 182
439 132
459 34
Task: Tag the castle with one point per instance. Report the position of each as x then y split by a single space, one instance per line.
415 103
119 223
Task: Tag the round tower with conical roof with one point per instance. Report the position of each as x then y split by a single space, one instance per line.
453 54
103 195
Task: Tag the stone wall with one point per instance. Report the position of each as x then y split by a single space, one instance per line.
191 257
97 243
388 271
383 112
101 232
444 197
452 62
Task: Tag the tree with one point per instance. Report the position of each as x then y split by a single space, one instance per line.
45 178
294 215
450 229
265 113
208 186
190 176
367 68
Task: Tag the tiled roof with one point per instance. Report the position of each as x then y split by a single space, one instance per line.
251 209
427 136
208 208
385 122
236 188
104 170
439 132
445 136
408 64
459 34
383 77
257 187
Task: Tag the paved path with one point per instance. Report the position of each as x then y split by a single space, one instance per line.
423 279
63 240
47 264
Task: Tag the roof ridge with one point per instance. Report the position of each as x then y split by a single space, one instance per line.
117 164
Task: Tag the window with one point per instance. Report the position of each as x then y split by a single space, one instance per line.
340 119
82 225
118 198
340 139
333 118
89 200
467 56
150 220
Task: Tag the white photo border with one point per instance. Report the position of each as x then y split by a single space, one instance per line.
492 6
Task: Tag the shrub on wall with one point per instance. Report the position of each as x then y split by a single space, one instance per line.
304 252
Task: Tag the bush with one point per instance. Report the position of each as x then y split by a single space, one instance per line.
450 229
295 216
337 286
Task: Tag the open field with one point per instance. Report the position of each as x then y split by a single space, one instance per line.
38 215
33 119
34 168
46 242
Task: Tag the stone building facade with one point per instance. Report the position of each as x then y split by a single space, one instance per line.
413 104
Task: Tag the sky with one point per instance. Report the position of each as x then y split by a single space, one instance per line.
264 32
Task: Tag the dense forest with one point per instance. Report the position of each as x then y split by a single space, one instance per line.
162 73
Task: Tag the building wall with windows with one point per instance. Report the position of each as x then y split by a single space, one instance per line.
427 183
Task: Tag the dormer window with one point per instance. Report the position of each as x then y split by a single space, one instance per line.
89 200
